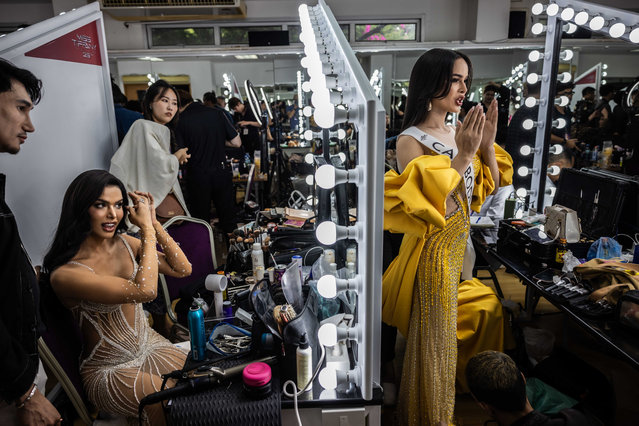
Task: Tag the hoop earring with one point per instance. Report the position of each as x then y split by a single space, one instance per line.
430 106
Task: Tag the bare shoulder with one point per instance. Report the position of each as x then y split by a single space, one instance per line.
407 142
69 273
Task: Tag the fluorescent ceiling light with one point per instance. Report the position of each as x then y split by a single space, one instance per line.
245 56
151 58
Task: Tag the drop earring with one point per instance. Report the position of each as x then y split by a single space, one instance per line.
430 106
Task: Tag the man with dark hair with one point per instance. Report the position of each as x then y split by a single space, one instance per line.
248 125
585 107
124 118
23 377
500 389
206 132
601 116
502 93
209 99
221 105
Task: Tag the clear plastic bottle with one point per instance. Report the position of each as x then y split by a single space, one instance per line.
257 256
304 364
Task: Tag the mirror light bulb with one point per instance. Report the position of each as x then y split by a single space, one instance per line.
554 170
563 101
308 135
530 102
325 176
552 9
326 233
565 77
634 35
521 192
309 158
561 123
570 28
597 23
306 86
525 150
568 54
328 378
327 334
309 180
537 28
307 111
528 124
567 14
325 116
556 149
534 56
522 171
581 18
537 9
617 30
532 78
327 286
341 134
551 191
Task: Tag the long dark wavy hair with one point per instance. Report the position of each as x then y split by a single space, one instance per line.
430 79
159 88
75 225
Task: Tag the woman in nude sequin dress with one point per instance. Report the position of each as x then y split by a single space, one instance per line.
103 276
444 172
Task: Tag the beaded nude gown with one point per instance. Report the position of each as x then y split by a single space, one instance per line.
129 358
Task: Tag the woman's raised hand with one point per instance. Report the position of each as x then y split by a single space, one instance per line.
149 197
468 135
490 127
182 156
139 213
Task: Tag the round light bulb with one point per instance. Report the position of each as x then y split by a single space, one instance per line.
554 170
534 56
563 101
309 158
604 74
528 124
518 98
561 123
537 28
537 9
307 111
306 86
325 116
532 78
309 180
325 176
305 62
327 286
634 35
581 18
341 134
522 171
565 77
552 9
568 54
518 90
567 14
530 102
597 23
327 334
321 97
617 30
558 149
308 135
525 150
326 233
604 82
604 66
328 378
520 74
551 191
521 192
571 28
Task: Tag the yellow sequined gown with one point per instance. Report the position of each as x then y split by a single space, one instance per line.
419 291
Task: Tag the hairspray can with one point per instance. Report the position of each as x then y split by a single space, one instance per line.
196 330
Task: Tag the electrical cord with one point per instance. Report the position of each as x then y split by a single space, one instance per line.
294 395
310 250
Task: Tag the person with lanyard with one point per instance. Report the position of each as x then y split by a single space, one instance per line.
23 377
444 172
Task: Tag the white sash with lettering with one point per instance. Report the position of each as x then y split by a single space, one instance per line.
440 148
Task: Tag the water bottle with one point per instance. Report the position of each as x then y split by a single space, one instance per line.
196 330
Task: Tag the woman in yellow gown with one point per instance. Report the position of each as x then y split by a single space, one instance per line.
444 173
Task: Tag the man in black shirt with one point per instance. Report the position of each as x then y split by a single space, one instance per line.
248 126
500 389
491 90
21 402
206 132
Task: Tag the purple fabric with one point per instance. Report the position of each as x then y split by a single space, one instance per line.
195 242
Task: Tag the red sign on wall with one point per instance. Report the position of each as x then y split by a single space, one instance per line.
80 45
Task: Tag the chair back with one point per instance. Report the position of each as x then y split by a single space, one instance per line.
60 348
195 238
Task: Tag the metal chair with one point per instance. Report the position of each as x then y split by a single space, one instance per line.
195 237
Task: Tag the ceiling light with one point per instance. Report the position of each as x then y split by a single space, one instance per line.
245 56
